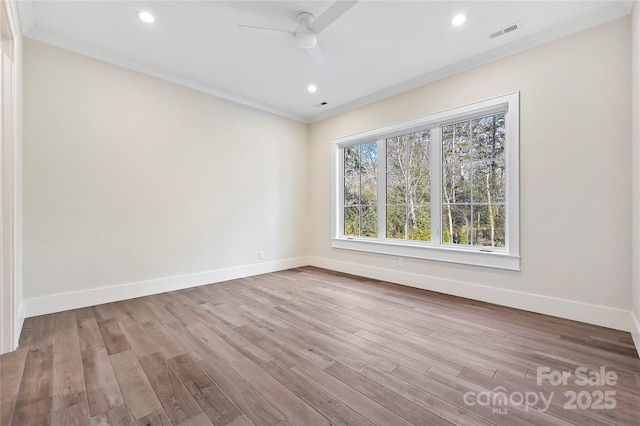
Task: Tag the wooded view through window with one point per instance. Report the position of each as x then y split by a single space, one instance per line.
408 186
472 183
360 190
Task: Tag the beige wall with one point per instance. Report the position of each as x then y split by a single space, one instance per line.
635 122
128 178
574 168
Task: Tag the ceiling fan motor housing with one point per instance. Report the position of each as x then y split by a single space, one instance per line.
305 38
305 19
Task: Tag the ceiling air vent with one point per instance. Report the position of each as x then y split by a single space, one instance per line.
508 29
321 104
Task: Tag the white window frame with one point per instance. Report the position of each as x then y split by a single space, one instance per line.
493 257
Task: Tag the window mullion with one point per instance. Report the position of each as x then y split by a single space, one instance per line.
382 188
472 239
406 188
341 196
360 191
436 185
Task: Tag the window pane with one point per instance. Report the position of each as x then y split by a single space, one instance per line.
351 160
369 158
418 150
351 221
488 225
396 148
474 181
369 189
456 224
456 140
369 221
396 188
361 190
456 181
352 190
419 186
408 185
489 181
488 137
396 221
419 224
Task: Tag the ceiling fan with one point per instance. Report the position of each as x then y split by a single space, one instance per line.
306 33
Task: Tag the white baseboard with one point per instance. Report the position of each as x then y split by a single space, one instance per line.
96 296
584 312
635 331
593 314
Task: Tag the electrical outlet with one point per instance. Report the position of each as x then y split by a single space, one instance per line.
401 261
260 255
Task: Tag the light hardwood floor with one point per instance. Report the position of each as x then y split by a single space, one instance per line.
310 347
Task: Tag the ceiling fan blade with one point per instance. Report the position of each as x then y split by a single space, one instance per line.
317 56
336 10
265 28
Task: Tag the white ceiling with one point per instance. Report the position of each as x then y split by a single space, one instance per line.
376 49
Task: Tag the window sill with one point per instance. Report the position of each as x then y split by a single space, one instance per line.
474 257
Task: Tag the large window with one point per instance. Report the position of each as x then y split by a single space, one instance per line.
442 187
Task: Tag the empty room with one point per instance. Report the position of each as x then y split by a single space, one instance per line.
319 212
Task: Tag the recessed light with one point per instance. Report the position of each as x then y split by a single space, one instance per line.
312 88
458 20
146 17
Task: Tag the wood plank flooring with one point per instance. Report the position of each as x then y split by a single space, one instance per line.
313 347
